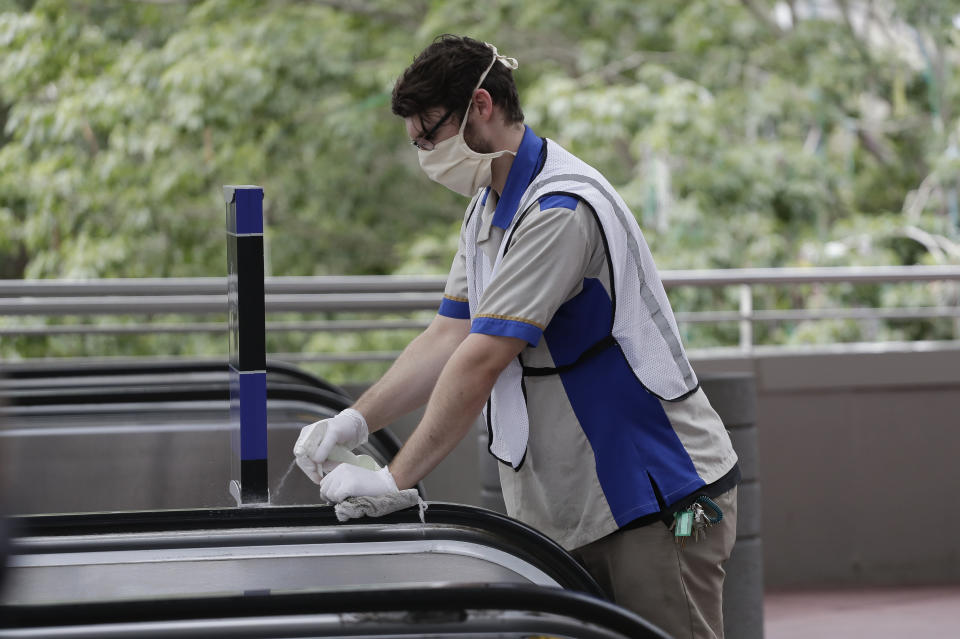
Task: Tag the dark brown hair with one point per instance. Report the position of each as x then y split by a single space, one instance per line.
445 73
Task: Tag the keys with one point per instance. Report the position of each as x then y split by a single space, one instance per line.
694 521
700 521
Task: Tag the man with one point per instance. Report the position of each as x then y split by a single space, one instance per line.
555 327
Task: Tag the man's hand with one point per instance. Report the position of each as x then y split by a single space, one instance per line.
348 429
347 480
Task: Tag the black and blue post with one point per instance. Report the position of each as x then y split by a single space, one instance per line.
248 365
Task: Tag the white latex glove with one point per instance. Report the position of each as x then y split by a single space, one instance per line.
352 481
315 471
312 450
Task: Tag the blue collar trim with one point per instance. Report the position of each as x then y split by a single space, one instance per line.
486 193
525 166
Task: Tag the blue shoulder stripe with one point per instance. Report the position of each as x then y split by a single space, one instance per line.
558 201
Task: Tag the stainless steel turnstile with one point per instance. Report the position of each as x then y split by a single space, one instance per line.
155 547
144 436
116 556
212 570
494 611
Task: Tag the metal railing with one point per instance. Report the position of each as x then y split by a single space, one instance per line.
399 294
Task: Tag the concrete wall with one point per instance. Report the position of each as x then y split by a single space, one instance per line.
858 464
859 457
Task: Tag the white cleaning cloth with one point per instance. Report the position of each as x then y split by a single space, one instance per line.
353 507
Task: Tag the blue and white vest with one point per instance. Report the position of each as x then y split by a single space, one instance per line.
643 323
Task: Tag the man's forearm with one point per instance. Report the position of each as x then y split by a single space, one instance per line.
408 383
463 388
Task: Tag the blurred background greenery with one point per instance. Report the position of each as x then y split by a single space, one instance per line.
742 133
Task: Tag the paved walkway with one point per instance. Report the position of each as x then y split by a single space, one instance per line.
877 613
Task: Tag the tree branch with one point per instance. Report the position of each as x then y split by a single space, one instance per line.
937 245
361 7
763 16
916 201
794 18
875 146
632 61
91 138
857 42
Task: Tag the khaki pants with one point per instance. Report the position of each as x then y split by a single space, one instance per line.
679 589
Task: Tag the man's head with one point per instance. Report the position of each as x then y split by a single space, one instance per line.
441 81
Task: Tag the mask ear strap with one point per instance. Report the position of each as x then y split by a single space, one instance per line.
510 63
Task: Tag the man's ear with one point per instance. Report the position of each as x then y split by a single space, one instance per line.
483 104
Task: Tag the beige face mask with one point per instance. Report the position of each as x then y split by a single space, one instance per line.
454 164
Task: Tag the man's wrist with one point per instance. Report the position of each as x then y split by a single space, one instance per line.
396 476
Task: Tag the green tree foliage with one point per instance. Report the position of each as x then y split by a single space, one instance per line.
122 123
741 133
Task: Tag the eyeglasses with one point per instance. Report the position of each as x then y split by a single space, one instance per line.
425 141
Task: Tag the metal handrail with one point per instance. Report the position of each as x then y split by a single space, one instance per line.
331 326
810 275
398 294
318 284
350 326
204 304
323 284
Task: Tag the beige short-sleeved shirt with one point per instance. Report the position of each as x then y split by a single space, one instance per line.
550 253
599 443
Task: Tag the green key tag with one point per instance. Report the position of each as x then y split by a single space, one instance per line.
684 524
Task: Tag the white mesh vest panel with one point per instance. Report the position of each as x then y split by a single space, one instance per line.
506 411
643 324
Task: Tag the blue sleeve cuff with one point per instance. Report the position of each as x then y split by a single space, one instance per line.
456 309
503 327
